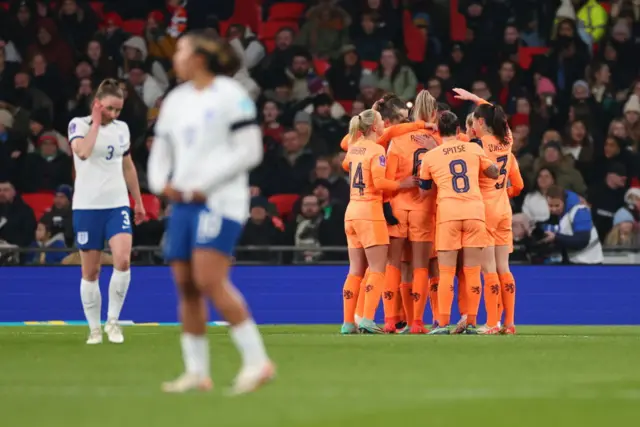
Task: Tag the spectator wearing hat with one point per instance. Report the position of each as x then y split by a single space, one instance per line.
394 76
369 39
345 73
607 196
17 221
40 125
311 140
47 167
7 69
112 36
632 120
260 230
50 43
77 23
286 170
626 225
134 50
567 176
369 89
59 217
12 150
324 125
145 85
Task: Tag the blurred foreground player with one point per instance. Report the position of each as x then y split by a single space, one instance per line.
104 172
207 141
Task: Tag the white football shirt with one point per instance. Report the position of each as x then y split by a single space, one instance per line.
100 180
208 141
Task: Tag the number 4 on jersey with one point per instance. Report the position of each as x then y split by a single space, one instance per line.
357 180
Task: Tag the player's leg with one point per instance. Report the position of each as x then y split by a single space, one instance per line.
193 314
420 287
360 303
462 290
507 287
88 226
375 239
406 285
215 240
351 287
474 238
434 282
398 235
449 242
118 234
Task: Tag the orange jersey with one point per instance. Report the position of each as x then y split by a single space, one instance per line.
495 191
389 133
455 167
367 165
404 158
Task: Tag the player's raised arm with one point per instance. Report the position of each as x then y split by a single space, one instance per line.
489 168
245 145
515 178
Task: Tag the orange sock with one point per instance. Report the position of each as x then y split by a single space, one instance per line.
500 306
399 307
434 282
373 291
350 292
445 294
473 282
420 290
390 294
462 293
508 287
360 305
407 301
491 296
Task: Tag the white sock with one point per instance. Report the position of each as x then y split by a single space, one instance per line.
91 302
195 354
249 343
118 286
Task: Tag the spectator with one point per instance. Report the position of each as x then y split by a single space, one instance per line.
45 238
242 75
344 76
632 120
338 185
395 77
300 73
103 66
55 50
311 140
506 88
77 24
17 221
271 127
141 157
253 51
145 85
626 225
369 40
601 90
12 150
325 30
567 175
279 59
22 25
112 36
40 125
368 89
134 111
160 44
574 237
618 129
7 71
288 169
259 230
59 218
615 151
29 97
578 145
520 132
535 202
53 166
46 78
460 65
134 51
568 57
607 196
79 104
333 211
511 43
327 128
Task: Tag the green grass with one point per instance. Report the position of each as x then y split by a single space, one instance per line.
545 376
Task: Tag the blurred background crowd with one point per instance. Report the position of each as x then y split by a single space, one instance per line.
566 72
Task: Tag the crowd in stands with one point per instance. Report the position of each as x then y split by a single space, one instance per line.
566 72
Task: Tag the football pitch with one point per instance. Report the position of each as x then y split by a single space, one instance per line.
553 376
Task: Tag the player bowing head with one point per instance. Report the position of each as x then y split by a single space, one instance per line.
207 140
105 174
392 109
490 120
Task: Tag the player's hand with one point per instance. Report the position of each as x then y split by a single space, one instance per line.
464 95
388 214
96 112
139 213
172 194
425 141
409 182
431 126
549 236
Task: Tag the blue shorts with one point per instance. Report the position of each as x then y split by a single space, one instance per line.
94 227
193 226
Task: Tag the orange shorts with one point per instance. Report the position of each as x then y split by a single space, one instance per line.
455 235
407 255
413 225
365 234
499 230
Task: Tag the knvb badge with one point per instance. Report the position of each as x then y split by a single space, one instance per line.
383 161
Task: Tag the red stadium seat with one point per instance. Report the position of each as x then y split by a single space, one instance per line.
39 202
526 54
370 65
134 27
98 8
269 29
224 27
606 6
269 44
284 203
347 104
152 205
457 22
321 66
286 11
4 6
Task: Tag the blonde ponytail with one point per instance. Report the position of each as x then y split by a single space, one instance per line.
109 87
425 107
363 123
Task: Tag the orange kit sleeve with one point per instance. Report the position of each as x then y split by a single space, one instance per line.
515 178
345 165
398 130
378 173
344 144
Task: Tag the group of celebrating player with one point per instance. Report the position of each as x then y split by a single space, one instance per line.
429 203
